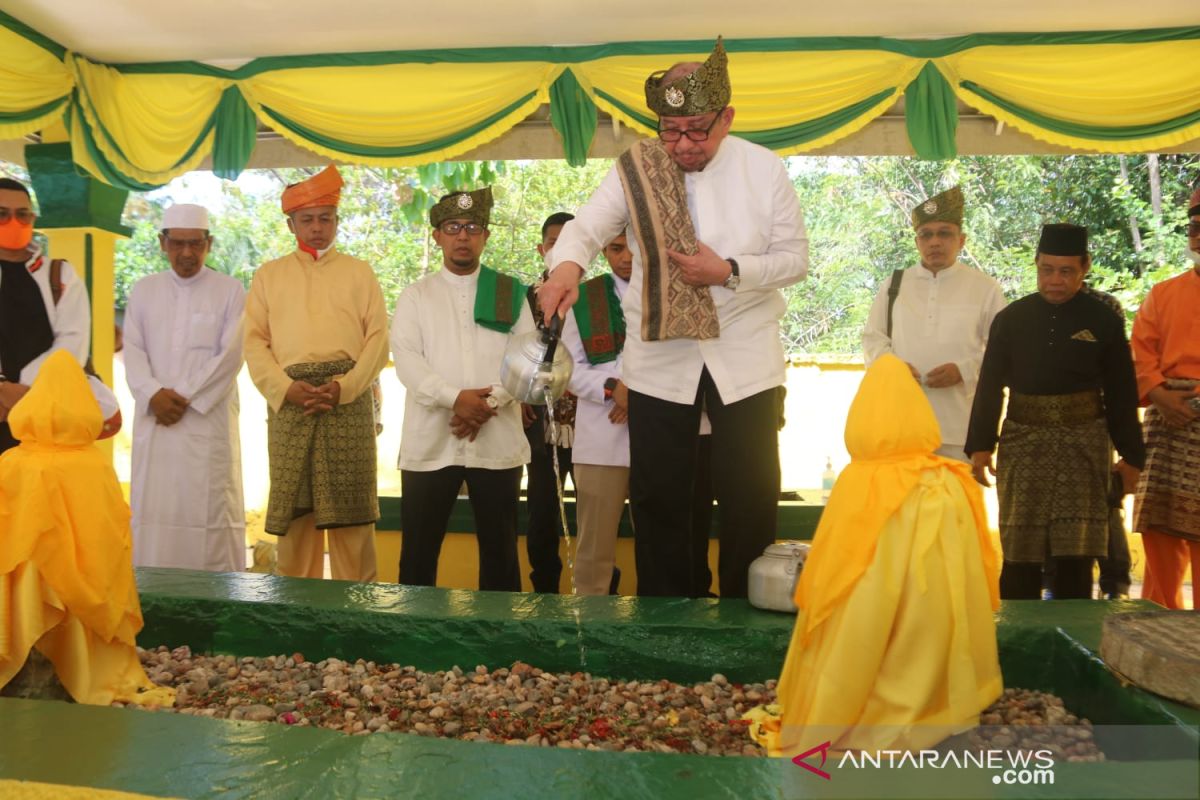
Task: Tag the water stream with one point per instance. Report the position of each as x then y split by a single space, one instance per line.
562 514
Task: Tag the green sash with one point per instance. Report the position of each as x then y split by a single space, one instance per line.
498 299
600 319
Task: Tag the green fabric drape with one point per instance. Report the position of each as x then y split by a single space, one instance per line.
236 132
573 115
931 114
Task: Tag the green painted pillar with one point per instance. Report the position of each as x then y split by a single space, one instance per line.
81 217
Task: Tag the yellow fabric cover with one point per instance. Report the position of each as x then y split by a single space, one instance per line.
33 790
895 641
66 573
891 434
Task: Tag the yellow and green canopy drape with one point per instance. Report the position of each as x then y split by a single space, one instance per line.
136 126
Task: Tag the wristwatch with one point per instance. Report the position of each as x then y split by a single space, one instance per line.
492 401
610 386
735 277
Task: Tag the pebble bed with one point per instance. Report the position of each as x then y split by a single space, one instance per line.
523 705
517 705
1023 719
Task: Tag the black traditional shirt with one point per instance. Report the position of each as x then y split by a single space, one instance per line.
1041 348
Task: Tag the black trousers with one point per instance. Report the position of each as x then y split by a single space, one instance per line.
545 524
1115 578
663 445
427 498
702 518
1072 580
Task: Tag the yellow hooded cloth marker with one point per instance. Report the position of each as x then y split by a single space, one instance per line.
66 574
895 642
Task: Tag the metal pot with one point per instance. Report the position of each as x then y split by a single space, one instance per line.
773 575
535 370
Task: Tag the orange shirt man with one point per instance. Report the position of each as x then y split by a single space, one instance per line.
1166 351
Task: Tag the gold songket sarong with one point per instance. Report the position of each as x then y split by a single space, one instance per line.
657 199
1052 477
322 463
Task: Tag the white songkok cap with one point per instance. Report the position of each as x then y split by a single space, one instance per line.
185 215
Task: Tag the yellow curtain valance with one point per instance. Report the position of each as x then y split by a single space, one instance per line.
138 126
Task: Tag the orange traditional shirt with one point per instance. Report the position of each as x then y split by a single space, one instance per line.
1166 333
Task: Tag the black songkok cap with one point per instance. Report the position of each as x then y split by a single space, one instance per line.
1063 239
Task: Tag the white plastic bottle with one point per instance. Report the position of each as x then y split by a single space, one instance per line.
827 479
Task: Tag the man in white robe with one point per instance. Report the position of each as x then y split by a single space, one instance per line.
183 351
938 318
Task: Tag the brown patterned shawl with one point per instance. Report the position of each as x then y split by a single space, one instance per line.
657 198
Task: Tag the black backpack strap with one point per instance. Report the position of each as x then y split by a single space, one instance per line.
893 293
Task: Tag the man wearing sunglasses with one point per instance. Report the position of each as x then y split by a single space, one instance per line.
716 231
43 304
448 337
936 315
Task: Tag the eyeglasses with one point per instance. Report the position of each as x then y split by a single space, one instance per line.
695 134
455 228
945 233
184 244
1193 229
23 215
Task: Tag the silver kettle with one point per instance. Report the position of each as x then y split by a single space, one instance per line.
535 370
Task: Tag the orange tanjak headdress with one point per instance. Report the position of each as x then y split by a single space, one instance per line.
322 189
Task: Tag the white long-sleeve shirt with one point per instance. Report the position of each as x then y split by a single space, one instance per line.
598 440
186 494
939 318
439 350
743 206
70 318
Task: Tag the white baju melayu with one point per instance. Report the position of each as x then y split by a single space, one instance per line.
939 318
439 350
600 458
743 206
186 335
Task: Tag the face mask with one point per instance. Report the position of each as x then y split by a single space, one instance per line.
15 236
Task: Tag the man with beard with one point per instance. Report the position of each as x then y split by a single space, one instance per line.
183 351
448 337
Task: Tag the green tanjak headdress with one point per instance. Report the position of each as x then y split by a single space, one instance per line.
944 207
702 91
475 206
